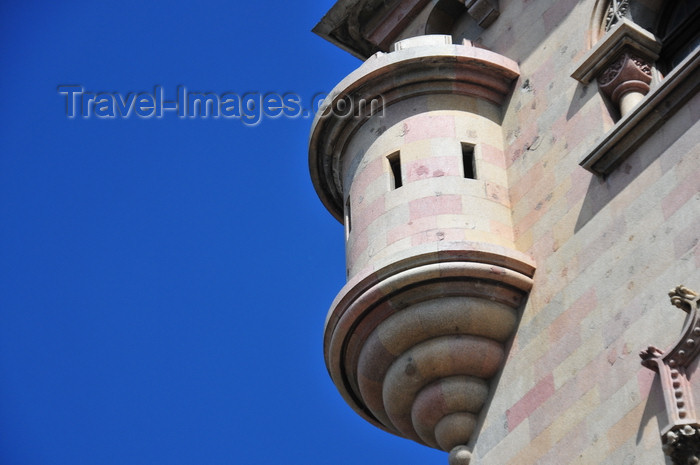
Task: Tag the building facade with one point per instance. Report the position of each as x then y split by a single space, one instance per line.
520 187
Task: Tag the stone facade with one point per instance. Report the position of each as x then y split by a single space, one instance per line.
498 209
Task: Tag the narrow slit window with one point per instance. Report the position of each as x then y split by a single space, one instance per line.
348 219
468 161
395 165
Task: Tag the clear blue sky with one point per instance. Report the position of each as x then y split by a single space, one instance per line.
164 282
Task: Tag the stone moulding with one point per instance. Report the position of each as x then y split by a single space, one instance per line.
628 73
622 64
677 367
676 89
617 10
388 328
443 68
625 36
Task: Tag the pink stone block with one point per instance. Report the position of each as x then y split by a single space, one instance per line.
545 74
679 196
428 127
527 404
544 246
438 235
593 373
364 215
570 446
505 40
558 353
526 182
497 193
580 181
493 156
570 320
357 246
616 231
366 176
502 230
554 16
569 393
583 124
433 167
687 239
527 135
411 229
436 205
645 378
525 223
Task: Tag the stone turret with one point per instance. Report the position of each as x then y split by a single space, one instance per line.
407 152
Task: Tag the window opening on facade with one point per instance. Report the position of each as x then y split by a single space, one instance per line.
348 219
468 161
395 165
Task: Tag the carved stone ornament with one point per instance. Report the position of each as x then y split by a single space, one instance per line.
644 119
617 9
683 445
681 435
621 62
625 39
628 73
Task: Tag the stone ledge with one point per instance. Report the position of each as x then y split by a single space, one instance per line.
650 114
626 36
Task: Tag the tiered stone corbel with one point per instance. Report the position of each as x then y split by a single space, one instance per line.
622 63
413 340
679 372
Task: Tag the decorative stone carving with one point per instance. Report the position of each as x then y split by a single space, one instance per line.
681 435
674 91
627 77
621 63
683 445
617 9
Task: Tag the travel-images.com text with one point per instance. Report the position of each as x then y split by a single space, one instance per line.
250 108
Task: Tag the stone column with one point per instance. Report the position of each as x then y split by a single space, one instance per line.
626 81
621 62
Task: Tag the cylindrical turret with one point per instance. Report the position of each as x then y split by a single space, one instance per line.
407 151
